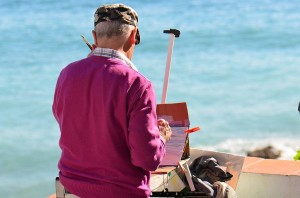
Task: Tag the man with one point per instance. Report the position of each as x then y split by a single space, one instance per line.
106 111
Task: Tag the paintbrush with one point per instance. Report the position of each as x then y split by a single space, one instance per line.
86 42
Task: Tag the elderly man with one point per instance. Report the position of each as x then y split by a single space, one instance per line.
106 111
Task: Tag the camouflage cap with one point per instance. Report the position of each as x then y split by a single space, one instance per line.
115 12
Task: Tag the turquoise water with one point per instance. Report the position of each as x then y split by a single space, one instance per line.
236 64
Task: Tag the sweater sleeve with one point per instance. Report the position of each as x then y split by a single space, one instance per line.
147 147
56 98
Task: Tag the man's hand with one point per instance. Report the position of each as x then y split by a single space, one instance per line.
164 129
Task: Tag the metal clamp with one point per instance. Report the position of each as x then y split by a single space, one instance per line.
173 31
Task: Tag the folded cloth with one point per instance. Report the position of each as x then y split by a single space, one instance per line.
223 190
203 186
208 169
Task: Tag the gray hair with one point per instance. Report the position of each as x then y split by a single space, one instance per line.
113 28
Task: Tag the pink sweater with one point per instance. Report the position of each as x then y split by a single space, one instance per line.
110 141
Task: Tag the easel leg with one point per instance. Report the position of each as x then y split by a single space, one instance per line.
189 177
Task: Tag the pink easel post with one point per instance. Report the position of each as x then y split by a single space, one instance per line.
173 33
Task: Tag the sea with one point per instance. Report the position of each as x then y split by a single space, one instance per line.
236 64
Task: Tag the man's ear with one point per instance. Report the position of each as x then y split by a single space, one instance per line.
132 36
95 37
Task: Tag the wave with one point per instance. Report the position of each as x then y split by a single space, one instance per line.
287 146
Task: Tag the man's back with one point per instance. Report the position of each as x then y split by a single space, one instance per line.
109 137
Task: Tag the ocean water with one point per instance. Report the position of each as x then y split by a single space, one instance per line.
236 64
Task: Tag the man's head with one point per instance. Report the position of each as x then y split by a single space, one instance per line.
116 28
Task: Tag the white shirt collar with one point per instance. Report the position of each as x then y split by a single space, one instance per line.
110 53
